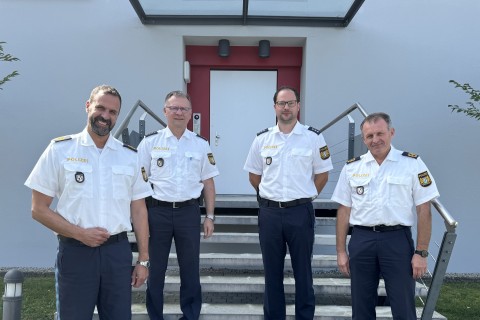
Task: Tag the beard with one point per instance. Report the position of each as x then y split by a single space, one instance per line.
98 129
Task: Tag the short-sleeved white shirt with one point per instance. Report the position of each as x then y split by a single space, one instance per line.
387 193
177 167
288 163
94 189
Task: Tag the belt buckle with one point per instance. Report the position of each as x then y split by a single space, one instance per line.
280 205
375 229
175 205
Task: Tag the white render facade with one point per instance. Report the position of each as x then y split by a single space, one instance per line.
396 56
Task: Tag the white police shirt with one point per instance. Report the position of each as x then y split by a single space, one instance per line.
288 163
93 189
176 167
387 193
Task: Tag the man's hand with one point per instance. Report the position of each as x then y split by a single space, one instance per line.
419 266
139 276
208 227
343 263
94 237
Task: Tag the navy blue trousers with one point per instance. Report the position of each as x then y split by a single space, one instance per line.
99 276
182 225
388 254
278 228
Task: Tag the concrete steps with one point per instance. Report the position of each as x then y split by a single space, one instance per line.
255 284
232 271
255 312
247 261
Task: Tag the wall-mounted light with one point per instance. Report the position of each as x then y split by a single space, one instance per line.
264 49
223 48
186 71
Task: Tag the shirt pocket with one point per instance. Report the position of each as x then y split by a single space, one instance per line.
360 190
399 191
78 180
122 181
193 165
301 161
161 164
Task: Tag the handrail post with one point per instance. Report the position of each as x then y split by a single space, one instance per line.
439 272
351 137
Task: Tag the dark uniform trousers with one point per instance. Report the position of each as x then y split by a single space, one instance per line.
295 227
388 254
100 276
182 225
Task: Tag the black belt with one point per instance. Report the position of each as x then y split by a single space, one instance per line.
159 203
382 228
278 204
112 239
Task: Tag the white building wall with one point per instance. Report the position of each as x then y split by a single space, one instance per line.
396 56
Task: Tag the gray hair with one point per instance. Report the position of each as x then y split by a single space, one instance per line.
372 118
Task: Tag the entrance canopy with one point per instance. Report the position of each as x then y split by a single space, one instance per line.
311 13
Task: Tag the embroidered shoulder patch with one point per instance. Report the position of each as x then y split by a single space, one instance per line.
130 147
424 179
151 134
64 138
314 130
410 155
199 136
211 159
262 132
144 174
324 153
353 160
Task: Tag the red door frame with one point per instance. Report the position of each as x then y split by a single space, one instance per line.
287 61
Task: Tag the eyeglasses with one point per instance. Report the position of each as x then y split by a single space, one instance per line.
176 108
290 103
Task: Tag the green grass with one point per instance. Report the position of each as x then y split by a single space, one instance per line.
459 300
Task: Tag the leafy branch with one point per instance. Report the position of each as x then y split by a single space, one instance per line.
7 58
471 109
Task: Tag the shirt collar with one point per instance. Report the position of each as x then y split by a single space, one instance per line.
186 134
297 129
392 155
87 140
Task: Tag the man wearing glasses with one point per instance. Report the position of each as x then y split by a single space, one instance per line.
288 166
179 165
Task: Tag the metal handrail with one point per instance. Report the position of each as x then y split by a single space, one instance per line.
343 114
126 121
448 241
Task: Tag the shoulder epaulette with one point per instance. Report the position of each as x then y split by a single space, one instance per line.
314 130
410 155
199 136
64 138
353 160
262 132
151 134
129 147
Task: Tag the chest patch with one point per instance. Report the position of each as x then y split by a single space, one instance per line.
360 190
79 177
160 162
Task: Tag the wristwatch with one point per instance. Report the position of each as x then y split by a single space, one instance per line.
422 253
211 217
145 263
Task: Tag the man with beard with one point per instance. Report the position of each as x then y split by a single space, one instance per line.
101 193
288 166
